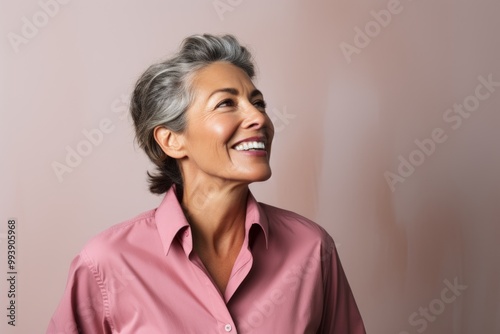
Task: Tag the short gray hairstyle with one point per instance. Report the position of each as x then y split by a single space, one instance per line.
164 92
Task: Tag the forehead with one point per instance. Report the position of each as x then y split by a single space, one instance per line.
221 75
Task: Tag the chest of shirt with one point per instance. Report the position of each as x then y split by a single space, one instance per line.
267 292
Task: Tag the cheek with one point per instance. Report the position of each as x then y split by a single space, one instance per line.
222 130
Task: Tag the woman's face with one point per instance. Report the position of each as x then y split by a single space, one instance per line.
228 134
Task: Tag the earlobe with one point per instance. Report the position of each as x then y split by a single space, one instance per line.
170 142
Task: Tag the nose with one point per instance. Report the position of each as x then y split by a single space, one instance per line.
255 118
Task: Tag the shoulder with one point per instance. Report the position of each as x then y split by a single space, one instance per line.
304 246
121 238
295 226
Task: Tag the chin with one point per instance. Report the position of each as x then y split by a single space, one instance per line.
264 176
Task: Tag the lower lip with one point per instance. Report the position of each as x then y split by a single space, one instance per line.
256 153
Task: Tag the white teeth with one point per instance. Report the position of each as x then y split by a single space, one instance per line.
250 145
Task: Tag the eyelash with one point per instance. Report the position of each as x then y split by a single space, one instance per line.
220 105
258 104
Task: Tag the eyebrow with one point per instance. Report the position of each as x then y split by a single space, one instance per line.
234 91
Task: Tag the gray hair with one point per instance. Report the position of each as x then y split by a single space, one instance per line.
164 92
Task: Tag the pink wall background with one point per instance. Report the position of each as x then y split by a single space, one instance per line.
348 109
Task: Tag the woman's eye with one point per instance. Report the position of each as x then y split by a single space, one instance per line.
225 103
260 104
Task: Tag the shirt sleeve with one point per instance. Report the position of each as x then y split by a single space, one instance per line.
340 312
81 309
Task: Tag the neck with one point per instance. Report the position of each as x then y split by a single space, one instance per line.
216 213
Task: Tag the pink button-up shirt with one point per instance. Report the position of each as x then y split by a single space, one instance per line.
143 277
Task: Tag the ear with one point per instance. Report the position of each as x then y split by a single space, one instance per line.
170 142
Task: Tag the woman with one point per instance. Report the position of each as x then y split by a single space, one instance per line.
210 258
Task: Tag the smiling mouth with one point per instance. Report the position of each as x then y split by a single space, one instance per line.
251 146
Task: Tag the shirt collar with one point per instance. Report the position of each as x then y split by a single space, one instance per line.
170 220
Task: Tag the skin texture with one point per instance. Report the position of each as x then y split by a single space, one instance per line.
226 109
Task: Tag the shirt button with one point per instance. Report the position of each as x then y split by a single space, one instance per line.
228 328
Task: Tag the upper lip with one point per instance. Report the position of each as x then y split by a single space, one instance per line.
255 138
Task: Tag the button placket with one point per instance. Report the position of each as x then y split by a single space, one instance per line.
218 306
